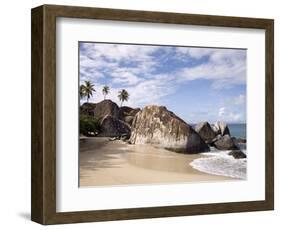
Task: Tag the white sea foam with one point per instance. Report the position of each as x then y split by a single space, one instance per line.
220 163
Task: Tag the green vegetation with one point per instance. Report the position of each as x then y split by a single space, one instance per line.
87 107
123 96
82 91
89 125
86 90
105 91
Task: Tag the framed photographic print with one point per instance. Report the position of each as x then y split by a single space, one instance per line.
140 114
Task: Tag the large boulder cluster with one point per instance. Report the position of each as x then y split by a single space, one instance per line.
157 126
217 135
114 121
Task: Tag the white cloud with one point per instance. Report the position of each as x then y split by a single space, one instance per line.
221 112
116 52
123 63
193 52
226 115
225 68
237 101
125 77
240 100
151 91
134 68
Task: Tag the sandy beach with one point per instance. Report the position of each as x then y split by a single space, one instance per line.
103 162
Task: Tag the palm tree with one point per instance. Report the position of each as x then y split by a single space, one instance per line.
123 96
105 91
82 91
88 89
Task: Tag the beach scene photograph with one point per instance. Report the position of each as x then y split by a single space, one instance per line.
161 114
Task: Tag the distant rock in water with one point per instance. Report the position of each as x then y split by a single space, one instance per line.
88 108
222 140
205 131
239 140
237 154
106 108
160 127
220 128
113 127
225 143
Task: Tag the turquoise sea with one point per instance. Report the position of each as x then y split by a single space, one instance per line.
237 130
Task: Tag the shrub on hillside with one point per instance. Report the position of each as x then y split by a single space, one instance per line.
89 126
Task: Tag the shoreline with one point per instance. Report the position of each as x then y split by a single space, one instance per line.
104 163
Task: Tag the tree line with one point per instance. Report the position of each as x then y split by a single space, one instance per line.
87 89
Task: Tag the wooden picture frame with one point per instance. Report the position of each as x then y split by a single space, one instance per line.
43 189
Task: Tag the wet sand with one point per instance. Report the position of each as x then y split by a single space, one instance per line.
103 162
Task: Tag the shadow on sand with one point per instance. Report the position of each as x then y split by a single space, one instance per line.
91 157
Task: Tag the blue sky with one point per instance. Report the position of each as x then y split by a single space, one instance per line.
197 84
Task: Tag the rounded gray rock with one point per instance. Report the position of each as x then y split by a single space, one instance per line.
113 127
225 143
160 127
237 154
106 108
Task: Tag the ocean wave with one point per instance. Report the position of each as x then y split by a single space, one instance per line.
220 163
